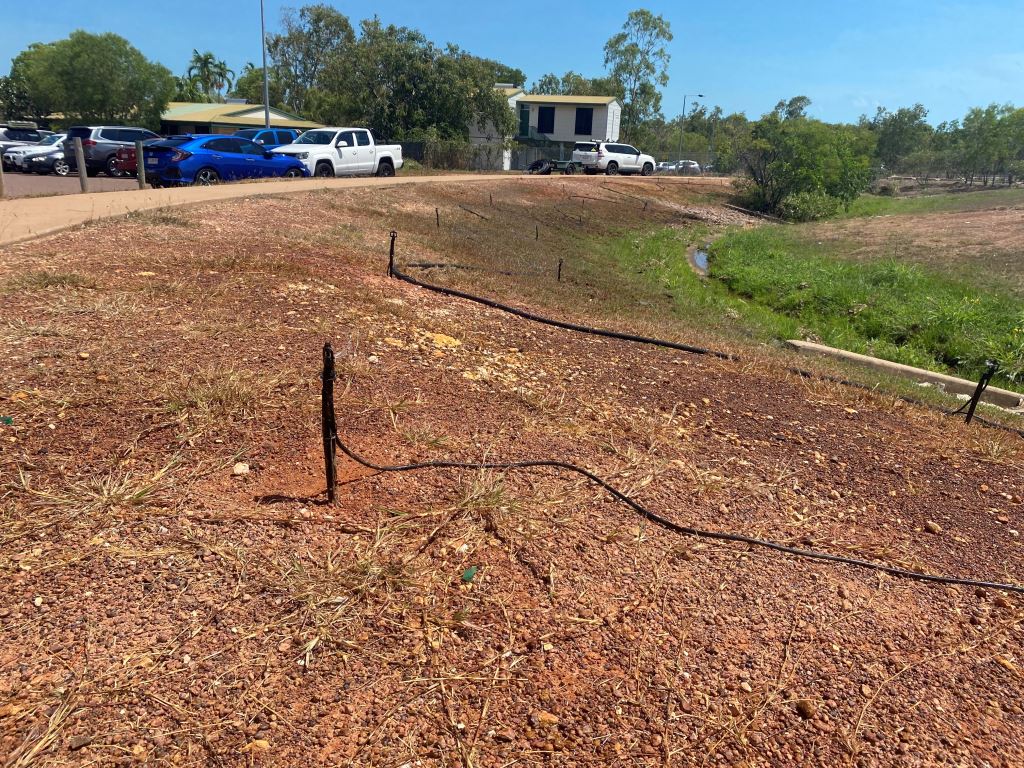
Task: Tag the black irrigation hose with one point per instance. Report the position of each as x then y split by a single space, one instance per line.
668 525
394 271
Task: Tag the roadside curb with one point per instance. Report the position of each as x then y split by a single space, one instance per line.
1004 398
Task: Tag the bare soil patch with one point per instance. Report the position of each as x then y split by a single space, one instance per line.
158 608
986 242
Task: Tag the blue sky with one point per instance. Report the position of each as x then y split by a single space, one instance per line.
745 55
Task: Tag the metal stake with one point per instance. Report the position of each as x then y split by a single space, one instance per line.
986 377
328 427
391 255
560 262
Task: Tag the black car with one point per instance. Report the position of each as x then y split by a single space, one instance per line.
51 162
100 144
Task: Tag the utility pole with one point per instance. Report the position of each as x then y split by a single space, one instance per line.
266 85
683 122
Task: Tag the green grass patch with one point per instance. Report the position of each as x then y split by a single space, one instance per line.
887 308
944 202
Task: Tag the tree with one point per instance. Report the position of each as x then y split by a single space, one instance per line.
575 84
316 39
802 157
188 88
249 86
15 103
211 73
636 58
793 109
900 134
94 79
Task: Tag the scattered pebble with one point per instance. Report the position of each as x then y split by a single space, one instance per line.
241 468
932 527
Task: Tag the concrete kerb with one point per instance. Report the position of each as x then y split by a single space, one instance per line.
1004 398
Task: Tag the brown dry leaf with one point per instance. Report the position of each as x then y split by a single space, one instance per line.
257 745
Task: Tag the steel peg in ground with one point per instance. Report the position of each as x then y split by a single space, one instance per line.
391 254
328 427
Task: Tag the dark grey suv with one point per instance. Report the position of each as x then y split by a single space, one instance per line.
100 144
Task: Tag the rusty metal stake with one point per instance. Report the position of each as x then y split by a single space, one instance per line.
437 217
560 262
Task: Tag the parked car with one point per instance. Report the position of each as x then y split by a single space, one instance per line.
100 144
126 162
611 158
269 138
18 134
664 167
16 158
344 152
688 168
50 162
212 158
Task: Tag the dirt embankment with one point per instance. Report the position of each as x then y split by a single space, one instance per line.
159 608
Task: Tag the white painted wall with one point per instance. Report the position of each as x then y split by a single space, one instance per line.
604 126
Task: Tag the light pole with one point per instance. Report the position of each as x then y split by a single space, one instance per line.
682 122
266 86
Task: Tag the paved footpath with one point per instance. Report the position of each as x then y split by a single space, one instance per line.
29 217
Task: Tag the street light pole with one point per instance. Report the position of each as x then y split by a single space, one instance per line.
682 122
266 86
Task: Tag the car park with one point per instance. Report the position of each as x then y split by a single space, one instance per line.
49 162
269 138
344 152
100 144
611 158
212 158
16 158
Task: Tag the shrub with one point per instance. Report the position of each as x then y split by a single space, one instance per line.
809 206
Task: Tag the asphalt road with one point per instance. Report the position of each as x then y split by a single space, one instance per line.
18 184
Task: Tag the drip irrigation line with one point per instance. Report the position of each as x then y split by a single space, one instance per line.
394 271
669 525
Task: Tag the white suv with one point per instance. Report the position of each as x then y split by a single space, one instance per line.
611 158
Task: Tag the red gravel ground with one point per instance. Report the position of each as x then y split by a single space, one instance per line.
157 608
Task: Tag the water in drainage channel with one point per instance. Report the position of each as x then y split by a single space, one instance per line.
699 260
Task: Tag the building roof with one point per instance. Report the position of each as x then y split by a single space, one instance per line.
538 99
231 114
509 91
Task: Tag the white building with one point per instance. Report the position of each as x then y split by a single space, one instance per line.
550 125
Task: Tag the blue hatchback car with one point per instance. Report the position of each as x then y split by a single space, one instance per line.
212 158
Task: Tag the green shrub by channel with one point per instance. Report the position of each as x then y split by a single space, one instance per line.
890 309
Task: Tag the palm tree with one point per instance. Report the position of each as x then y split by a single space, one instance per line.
213 74
188 88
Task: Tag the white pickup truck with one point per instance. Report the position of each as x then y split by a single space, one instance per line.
343 152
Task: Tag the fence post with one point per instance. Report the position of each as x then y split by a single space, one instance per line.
560 261
140 165
327 425
536 234
2 192
83 177
437 217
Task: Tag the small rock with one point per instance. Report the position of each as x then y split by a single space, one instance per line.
543 719
1001 602
980 593
38 601
83 355
241 468
746 687
77 742
866 690
806 709
932 527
